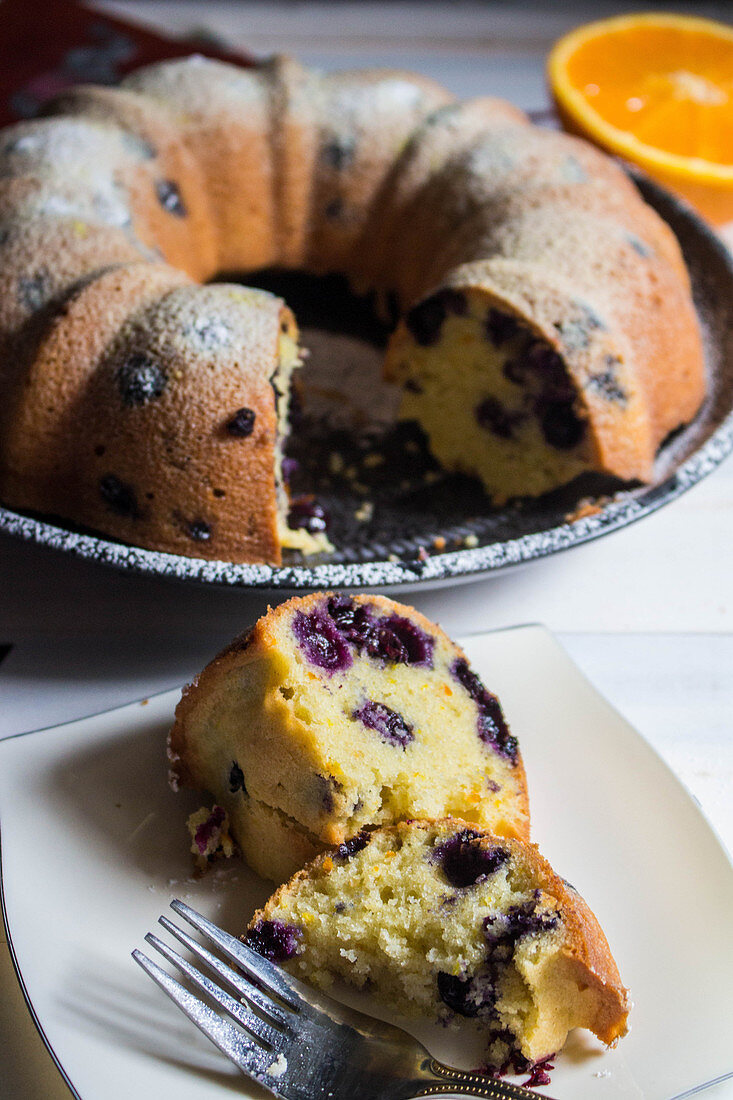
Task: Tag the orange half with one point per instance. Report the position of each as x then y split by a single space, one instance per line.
657 90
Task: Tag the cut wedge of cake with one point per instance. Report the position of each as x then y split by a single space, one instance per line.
445 920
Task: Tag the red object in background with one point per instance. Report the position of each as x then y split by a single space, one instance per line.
45 48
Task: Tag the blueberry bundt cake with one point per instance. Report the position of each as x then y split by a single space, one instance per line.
547 325
338 712
445 920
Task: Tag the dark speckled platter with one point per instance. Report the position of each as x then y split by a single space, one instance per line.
398 522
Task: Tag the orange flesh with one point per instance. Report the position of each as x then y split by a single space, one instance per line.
671 87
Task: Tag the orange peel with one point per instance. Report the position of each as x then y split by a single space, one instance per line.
657 90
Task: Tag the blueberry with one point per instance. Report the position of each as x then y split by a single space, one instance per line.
472 996
516 371
326 787
236 779
501 327
353 620
465 861
306 513
491 725
207 830
476 994
390 725
425 320
398 641
334 209
199 530
140 379
605 382
120 496
549 368
392 639
289 467
465 675
538 1073
492 415
242 423
502 931
502 1040
561 426
353 845
273 939
339 153
169 198
456 993
321 642
639 246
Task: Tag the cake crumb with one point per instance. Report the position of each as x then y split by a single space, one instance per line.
372 460
364 512
470 541
588 506
278 1067
210 836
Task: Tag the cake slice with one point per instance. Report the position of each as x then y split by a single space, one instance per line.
335 712
445 920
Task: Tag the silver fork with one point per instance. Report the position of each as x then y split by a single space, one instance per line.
297 1042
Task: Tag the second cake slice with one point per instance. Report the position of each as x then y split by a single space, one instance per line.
336 712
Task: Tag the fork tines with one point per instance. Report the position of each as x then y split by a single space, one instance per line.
264 1023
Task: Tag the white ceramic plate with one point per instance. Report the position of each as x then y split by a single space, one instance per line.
94 848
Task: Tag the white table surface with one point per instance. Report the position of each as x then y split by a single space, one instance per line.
646 612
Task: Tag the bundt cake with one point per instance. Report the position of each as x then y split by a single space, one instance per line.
337 712
546 323
445 920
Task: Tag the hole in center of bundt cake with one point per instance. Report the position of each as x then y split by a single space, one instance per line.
362 472
324 302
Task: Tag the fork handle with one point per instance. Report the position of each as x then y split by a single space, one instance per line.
448 1080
